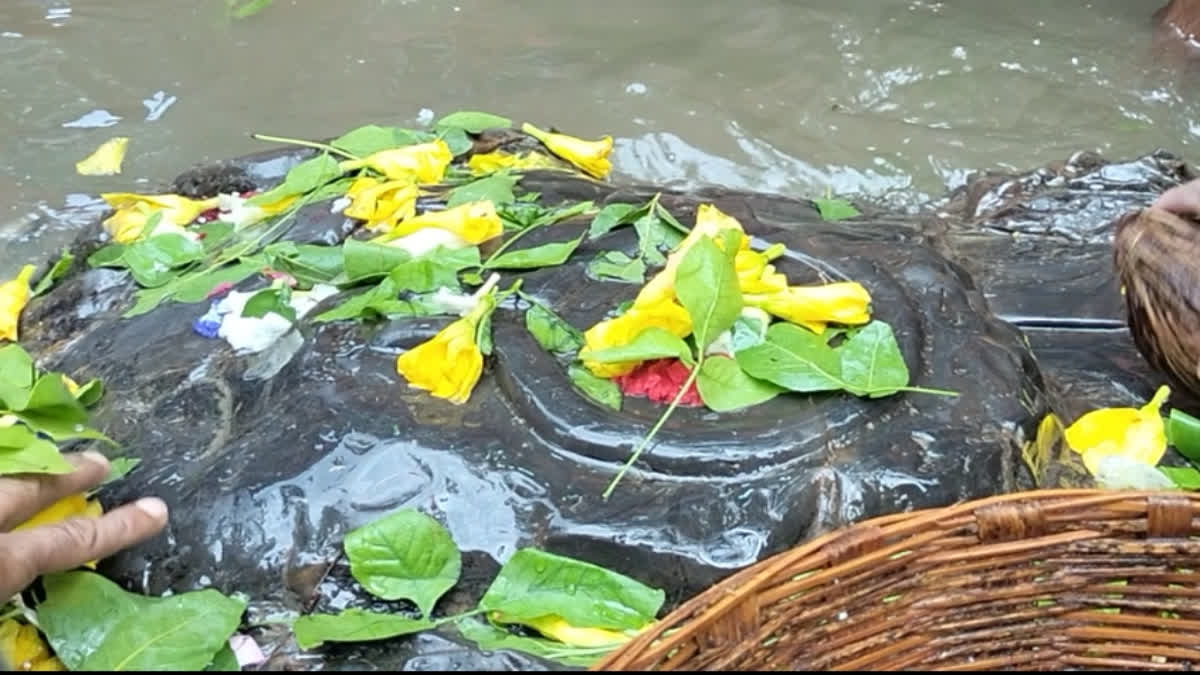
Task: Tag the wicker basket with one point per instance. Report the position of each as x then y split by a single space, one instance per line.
1044 580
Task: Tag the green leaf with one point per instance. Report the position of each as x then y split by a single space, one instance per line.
152 261
16 376
196 287
107 256
472 121
871 362
309 263
616 266
270 300
370 139
707 286
147 299
534 584
603 391
456 139
95 625
120 467
89 393
747 331
225 661
546 255
57 271
651 343
437 269
489 638
483 335
364 260
1186 478
794 358
216 235
50 398
496 188
406 555
354 625
610 218
725 387
550 330
302 178
21 451
1184 432
835 209
654 237
248 8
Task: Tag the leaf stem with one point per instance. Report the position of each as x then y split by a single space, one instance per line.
637 452
923 390
456 617
304 144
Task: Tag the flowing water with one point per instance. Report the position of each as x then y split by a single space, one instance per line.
888 99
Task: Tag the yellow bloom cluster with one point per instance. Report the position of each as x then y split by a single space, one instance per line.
1136 434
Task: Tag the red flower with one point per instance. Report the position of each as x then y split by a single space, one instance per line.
659 380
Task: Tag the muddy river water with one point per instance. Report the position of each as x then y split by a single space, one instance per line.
891 99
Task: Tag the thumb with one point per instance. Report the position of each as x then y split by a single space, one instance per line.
1183 200
28 554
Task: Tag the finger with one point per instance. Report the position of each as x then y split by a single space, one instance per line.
1183 200
21 497
66 545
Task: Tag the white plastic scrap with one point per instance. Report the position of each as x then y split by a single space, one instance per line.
248 335
427 239
1115 472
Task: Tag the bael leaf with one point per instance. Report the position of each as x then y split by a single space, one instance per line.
546 255
706 284
21 451
364 260
835 209
370 139
550 330
472 121
310 263
654 237
651 343
1185 478
152 261
489 638
616 266
16 376
354 625
725 387
437 269
794 358
496 188
871 362
602 391
1184 432
534 584
612 217
304 177
57 271
406 555
95 625
107 256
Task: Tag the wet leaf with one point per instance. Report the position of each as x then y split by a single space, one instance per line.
871 362
616 266
268 301
309 263
195 287
534 584
472 121
302 178
794 358
1186 478
652 343
612 217
551 332
1183 430
725 387
369 139
105 160
835 209
496 187
363 260
488 638
456 140
90 392
546 255
437 269
242 9
23 452
747 332
406 555
57 271
16 375
93 624
225 661
153 261
605 392
354 625
654 237
706 284
107 256
51 408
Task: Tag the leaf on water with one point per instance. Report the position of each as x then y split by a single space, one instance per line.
472 121
496 188
707 286
406 555
651 343
725 387
1183 430
57 271
354 625
490 638
550 330
601 390
21 451
871 362
302 178
835 209
546 255
93 624
243 9
616 266
372 138
534 584
794 358
610 218
1185 478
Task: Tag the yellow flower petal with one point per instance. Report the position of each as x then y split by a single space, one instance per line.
557 628
589 156
383 205
1134 433
133 211
449 364
422 163
106 160
666 314
22 648
474 222
14 295
493 161
847 303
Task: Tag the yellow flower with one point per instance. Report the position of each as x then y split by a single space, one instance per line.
423 163
14 295
1134 433
133 211
494 161
755 275
449 364
106 160
845 302
590 156
22 648
557 628
381 204
622 330
473 222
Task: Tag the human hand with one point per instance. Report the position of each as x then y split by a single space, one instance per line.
27 554
1182 200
